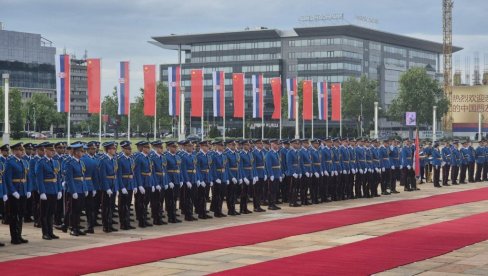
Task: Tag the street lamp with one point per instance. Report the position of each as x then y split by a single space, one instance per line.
376 120
6 124
434 123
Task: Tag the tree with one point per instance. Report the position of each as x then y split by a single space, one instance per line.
41 112
355 92
418 93
16 115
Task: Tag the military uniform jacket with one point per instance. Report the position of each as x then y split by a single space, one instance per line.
3 187
160 177
75 176
107 171
234 164
337 159
369 158
143 171
32 173
360 158
455 157
352 158
394 157
125 172
327 159
344 157
259 161
407 157
480 155
436 158
293 162
173 168
273 164
316 156
205 166
16 171
283 151
248 165
46 176
446 155
220 167
305 161
189 167
92 180
384 154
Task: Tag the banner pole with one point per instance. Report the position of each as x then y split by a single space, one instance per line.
311 84
155 104
223 115
203 97
244 106
280 108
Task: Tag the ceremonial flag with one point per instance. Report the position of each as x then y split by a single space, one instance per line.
291 90
336 101
149 90
276 89
238 89
63 73
174 90
123 91
197 93
257 96
417 154
322 100
307 100
218 93
93 81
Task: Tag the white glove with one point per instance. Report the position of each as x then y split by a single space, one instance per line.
246 180
43 196
317 175
75 196
300 175
16 195
63 184
408 167
135 190
198 183
153 189
265 177
171 185
240 181
211 183
158 187
307 174
218 181
344 172
281 179
166 187
401 167
28 194
109 192
203 184
234 180
271 178
228 182
94 193
322 173
60 195
254 180
383 169
436 167
392 167
326 173
443 163
86 193
181 184
361 171
188 184
377 170
124 191
5 198
142 190
295 175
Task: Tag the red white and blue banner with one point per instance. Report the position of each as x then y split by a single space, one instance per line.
291 90
63 72
174 77
257 96
123 89
218 93
322 100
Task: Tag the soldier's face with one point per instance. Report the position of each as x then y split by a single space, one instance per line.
49 152
92 150
259 145
146 149
246 147
40 151
172 149
5 153
127 150
204 147
78 153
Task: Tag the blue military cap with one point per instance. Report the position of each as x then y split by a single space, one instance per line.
42 145
125 144
285 142
183 142
143 143
295 141
218 142
456 141
274 141
76 146
315 141
229 142
59 144
29 145
91 143
203 142
108 144
48 145
17 146
265 141
242 142
5 147
157 143
257 141
170 143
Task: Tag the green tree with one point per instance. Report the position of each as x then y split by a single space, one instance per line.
16 115
41 112
356 92
418 92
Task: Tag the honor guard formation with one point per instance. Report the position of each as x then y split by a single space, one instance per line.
54 185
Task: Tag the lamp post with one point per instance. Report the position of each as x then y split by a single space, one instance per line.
434 123
6 123
376 120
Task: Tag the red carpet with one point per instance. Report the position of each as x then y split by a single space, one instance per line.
378 254
152 250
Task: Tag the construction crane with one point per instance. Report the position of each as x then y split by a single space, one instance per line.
447 51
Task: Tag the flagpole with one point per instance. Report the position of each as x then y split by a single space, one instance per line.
311 84
326 92
340 108
69 125
281 95
179 85
244 106
223 115
297 133
155 104
100 110
203 96
262 113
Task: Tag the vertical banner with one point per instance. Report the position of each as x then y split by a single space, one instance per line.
335 91
257 96
291 89
94 84
307 100
238 93
174 90
63 73
276 89
196 93
149 90
123 91
218 79
322 100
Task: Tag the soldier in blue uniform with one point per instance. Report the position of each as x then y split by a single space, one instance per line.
143 171
75 187
160 182
471 161
46 171
480 159
317 170
235 178
92 184
328 167
273 169
60 221
395 165
4 153
361 169
16 170
249 174
346 170
353 168
204 168
376 170
384 156
107 170
436 161
3 189
294 171
189 178
456 162
465 160
446 163
408 172
125 174
337 163
221 179
174 180
285 184
306 166
30 202
260 178
37 153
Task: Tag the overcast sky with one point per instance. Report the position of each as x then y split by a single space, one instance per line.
117 30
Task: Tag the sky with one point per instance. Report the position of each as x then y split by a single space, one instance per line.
119 30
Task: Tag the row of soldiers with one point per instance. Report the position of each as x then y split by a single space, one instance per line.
52 184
